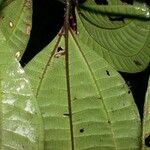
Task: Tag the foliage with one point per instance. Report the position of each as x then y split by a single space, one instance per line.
124 44
70 95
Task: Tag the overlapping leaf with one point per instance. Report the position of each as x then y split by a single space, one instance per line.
99 113
16 24
20 119
120 33
146 121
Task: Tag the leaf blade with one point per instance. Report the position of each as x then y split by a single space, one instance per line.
16 18
20 122
97 119
124 44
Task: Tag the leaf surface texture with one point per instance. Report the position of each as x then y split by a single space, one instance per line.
15 24
20 118
120 33
100 112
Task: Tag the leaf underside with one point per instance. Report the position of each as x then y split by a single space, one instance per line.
20 119
102 114
15 24
123 43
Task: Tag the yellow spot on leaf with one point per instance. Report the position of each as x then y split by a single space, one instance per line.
18 54
11 24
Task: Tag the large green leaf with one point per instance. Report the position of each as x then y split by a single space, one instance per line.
16 24
20 119
94 111
146 121
125 43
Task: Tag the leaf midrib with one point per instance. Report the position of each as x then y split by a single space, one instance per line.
92 75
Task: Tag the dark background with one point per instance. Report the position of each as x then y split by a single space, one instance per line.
47 20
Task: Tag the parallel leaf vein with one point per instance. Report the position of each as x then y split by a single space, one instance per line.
92 75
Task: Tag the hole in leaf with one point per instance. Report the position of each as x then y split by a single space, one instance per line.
137 63
81 130
130 2
101 2
116 18
107 72
60 52
59 49
129 92
147 141
111 18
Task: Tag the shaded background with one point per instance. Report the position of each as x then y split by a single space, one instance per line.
47 20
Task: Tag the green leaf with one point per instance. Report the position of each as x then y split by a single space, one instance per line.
146 121
20 119
123 43
95 111
15 24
